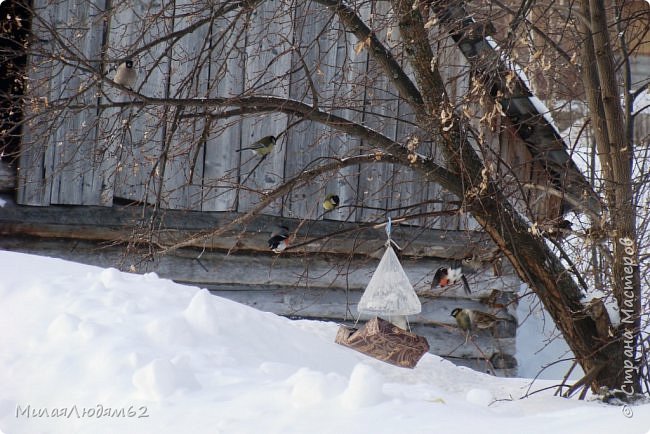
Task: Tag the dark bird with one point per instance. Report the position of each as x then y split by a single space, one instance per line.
331 201
560 229
126 74
445 276
279 239
469 320
262 147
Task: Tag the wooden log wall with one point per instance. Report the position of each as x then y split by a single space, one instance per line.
320 287
175 158
321 279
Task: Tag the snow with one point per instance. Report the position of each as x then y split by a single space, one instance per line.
103 351
541 350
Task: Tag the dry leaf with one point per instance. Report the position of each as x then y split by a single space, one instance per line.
359 46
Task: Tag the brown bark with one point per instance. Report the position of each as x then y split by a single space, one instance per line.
531 258
615 152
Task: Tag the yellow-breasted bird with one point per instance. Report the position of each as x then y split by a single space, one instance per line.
331 201
262 147
470 319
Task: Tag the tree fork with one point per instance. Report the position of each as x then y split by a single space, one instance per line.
533 261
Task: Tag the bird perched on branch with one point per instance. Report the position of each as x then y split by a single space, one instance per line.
455 273
262 147
279 239
331 201
126 74
470 319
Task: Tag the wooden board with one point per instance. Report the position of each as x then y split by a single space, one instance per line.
267 66
188 78
136 136
320 237
7 177
221 169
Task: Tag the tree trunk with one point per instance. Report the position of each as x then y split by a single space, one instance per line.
586 334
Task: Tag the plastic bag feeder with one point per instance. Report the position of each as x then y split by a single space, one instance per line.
389 292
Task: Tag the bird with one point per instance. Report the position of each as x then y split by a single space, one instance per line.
279 239
262 147
558 229
445 276
125 74
331 201
470 319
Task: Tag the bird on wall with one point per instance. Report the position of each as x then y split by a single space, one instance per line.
262 147
280 239
470 319
331 201
126 74
445 276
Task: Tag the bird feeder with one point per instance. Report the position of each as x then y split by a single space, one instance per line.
389 293
390 298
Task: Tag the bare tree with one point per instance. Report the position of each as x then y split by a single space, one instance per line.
378 92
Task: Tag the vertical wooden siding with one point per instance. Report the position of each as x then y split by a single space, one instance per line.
170 156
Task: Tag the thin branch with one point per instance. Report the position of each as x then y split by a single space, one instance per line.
300 179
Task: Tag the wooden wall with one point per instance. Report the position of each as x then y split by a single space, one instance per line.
320 287
174 157
321 279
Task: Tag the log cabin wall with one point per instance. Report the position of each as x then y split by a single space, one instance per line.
97 149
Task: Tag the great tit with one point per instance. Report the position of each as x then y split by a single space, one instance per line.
125 74
279 239
262 147
470 319
331 201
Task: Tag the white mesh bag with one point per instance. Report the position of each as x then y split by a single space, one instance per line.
389 292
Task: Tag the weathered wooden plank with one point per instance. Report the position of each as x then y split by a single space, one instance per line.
214 268
306 141
189 78
138 135
7 177
483 364
34 185
220 159
268 62
320 237
79 25
380 113
408 188
336 304
346 93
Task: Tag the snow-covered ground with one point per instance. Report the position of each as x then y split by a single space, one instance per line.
91 350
